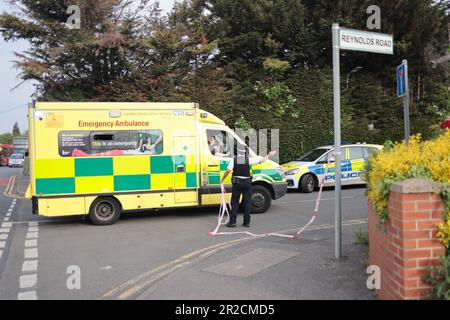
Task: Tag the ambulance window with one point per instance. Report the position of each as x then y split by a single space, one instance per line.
356 153
219 142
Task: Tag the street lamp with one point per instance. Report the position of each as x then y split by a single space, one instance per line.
352 72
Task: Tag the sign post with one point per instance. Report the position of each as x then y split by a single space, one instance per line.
348 39
403 91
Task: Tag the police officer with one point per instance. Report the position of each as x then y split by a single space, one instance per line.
242 182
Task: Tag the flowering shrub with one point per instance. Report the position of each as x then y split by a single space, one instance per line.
398 161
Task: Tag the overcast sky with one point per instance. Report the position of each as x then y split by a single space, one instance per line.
21 96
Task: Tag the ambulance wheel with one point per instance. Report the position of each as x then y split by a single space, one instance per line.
261 199
308 183
105 211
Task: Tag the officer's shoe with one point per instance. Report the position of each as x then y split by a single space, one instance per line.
246 224
230 225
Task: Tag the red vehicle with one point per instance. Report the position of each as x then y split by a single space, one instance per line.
5 151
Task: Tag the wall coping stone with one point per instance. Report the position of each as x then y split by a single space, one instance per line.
417 185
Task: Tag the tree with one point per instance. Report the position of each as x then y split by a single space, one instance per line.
16 130
6 138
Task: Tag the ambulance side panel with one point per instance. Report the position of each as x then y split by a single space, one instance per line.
66 183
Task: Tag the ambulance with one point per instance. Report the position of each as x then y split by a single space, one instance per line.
103 159
305 173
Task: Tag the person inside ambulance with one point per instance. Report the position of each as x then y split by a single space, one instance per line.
242 182
216 148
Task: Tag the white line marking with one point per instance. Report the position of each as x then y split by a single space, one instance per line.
33 229
314 200
31 243
30 266
10 209
3 236
31 253
2 244
1 253
33 224
28 281
28 295
6 219
32 235
8 214
6 224
5 230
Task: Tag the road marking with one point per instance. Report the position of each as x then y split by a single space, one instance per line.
137 285
31 243
27 295
31 253
3 236
6 219
2 244
32 235
5 230
28 281
30 266
6 225
314 200
1 253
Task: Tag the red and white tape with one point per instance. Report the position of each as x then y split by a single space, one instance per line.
225 207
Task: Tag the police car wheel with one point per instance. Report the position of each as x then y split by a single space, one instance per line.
104 211
307 183
261 199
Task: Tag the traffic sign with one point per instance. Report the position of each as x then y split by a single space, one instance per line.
356 40
401 80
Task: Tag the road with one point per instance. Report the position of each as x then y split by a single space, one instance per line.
40 256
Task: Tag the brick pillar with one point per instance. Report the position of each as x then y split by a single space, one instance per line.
407 244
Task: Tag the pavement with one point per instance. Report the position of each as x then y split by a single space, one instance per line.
168 254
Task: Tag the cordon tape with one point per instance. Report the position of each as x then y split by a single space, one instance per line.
225 210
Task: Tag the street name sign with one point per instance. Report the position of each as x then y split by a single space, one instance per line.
356 40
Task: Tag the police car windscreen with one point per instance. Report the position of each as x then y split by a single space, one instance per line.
313 155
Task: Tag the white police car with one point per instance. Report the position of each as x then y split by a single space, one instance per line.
306 172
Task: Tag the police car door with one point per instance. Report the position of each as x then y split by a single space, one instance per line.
357 164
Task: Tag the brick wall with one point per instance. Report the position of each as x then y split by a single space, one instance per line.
407 244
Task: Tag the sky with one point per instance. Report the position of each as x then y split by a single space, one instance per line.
19 98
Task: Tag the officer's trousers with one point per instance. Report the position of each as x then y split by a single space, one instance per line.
243 187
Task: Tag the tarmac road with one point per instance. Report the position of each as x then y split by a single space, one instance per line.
166 254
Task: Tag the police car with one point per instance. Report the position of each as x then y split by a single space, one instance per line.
306 172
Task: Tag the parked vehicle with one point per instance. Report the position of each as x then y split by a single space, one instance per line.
306 172
16 160
101 159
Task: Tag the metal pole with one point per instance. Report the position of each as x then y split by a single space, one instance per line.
337 139
406 103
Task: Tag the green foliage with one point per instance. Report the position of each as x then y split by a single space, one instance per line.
6 138
277 99
361 238
266 61
16 130
439 280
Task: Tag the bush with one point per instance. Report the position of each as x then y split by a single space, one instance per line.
439 280
398 162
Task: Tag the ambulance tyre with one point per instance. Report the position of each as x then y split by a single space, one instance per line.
261 199
105 211
308 183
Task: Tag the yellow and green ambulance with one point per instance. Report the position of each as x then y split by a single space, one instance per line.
102 159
